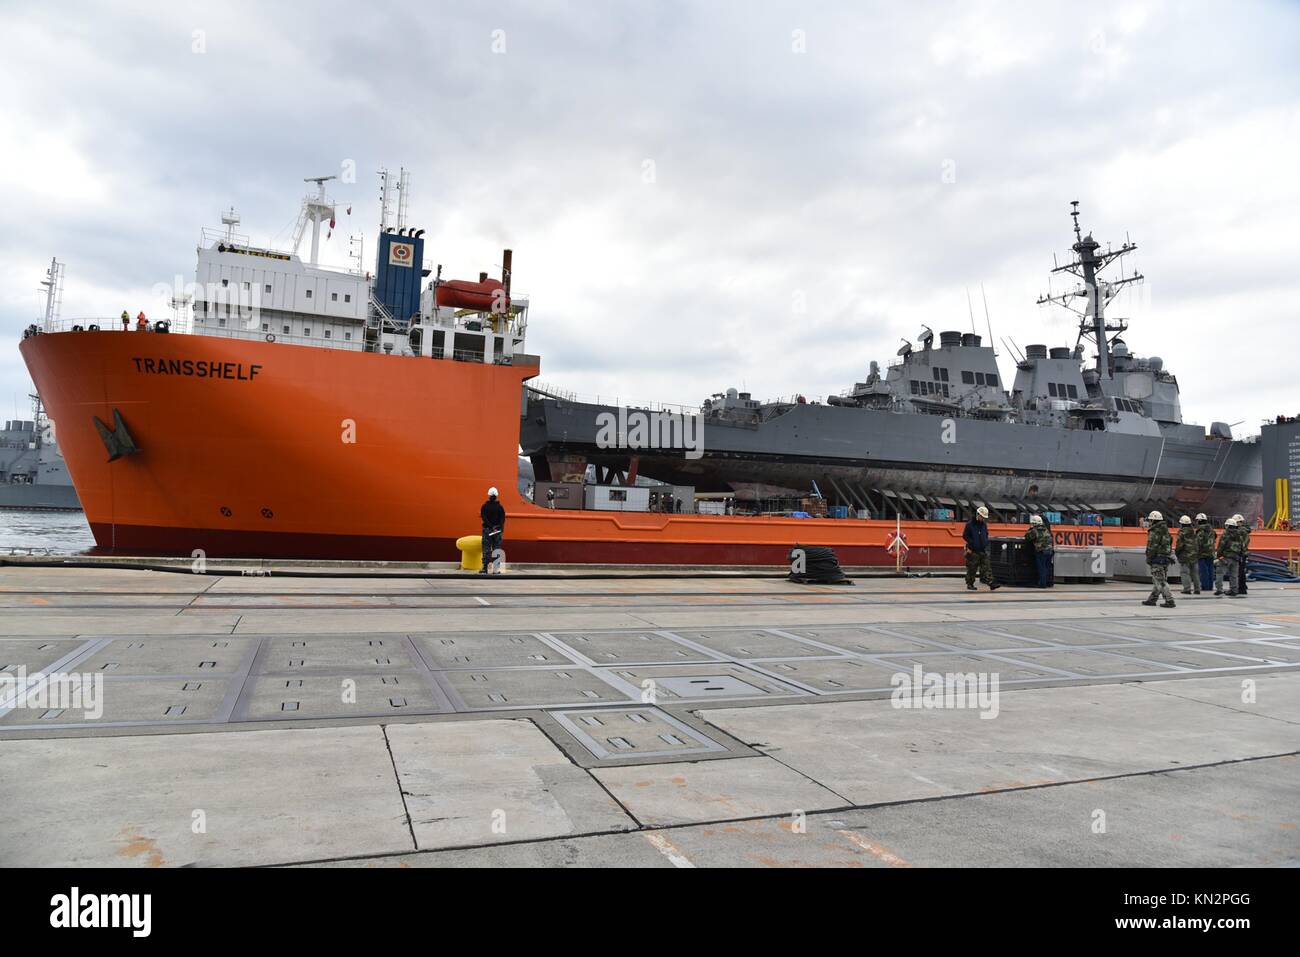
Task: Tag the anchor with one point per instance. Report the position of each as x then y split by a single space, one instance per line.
118 439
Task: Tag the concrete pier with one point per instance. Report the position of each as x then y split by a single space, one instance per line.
444 720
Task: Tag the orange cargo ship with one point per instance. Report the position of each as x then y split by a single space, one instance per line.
315 413
242 452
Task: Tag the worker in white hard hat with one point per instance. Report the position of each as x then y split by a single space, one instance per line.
494 527
1160 555
976 536
1187 551
1039 539
1220 558
1231 555
1205 542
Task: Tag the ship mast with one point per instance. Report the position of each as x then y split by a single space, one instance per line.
53 285
1097 292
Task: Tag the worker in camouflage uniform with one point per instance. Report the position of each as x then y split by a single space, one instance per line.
1205 544
976 536
1040 540
1160 553
1230 551
1188 552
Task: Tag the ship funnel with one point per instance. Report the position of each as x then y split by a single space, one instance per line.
1035 352
1060 352
970 340
949 338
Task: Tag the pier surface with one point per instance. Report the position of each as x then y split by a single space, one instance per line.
693 721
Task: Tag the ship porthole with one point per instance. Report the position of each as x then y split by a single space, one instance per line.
267 513
225 510
270 337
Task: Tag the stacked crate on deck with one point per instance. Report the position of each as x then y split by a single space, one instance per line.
1013 561
814 506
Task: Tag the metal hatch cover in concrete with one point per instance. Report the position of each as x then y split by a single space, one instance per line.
634 734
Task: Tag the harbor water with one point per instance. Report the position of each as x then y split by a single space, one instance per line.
33 532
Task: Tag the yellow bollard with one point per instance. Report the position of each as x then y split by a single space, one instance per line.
471 552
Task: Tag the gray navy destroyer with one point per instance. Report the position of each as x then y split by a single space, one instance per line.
938 429
33 474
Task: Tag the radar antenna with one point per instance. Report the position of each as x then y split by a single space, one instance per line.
1087 266
315 210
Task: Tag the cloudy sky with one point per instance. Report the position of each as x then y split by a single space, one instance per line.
699 195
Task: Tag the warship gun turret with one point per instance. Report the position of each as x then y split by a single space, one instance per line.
940 428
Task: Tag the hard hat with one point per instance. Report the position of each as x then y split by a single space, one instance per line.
1035 520
1239 518
492 492
1184 521
1155 517
1202 517
982 512
1229 523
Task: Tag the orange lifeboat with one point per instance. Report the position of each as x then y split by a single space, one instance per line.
466 294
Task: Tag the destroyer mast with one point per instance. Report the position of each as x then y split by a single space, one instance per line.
1087 266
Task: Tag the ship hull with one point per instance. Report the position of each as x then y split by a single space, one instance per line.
855 455
284 451
38 497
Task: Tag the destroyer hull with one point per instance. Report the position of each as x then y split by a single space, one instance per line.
855 454
38 497
284 451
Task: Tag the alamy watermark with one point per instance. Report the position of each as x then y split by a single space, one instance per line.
59 691
933 690
641 429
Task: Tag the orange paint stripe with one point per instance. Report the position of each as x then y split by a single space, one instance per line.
882 854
